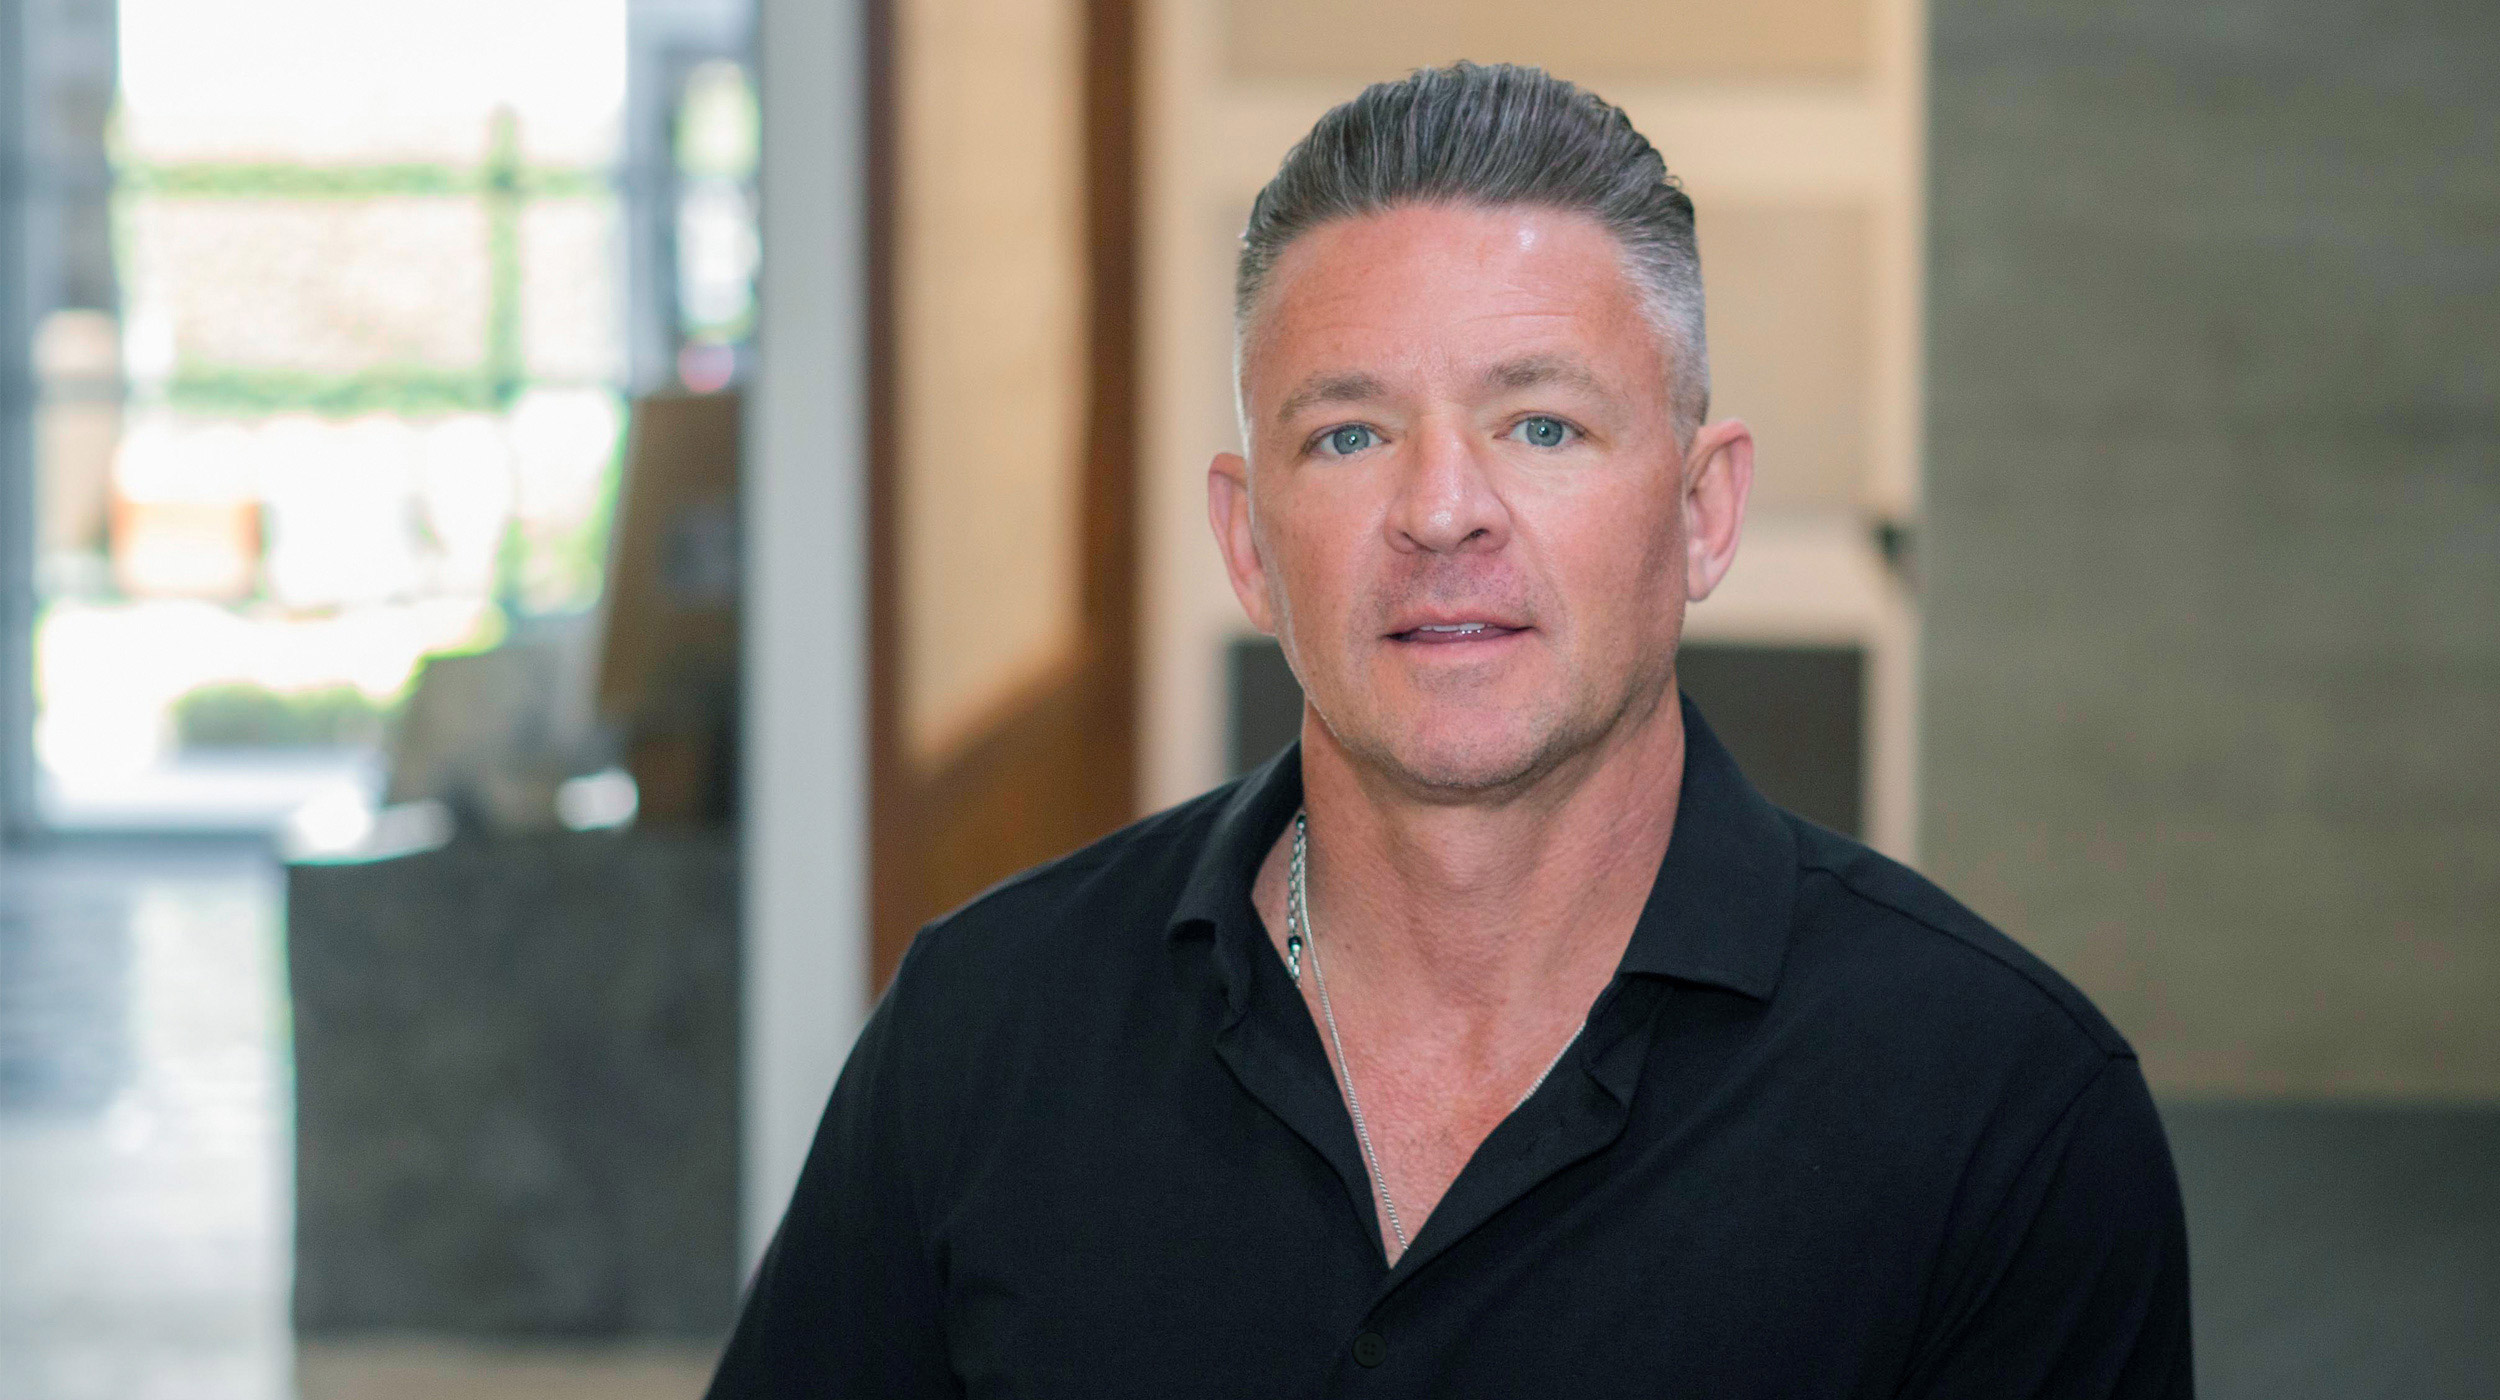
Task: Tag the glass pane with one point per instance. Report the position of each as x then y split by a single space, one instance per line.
361 401
717 248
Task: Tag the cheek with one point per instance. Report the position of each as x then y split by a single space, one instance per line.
1307 577
1622 566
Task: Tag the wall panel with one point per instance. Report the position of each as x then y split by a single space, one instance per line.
1791 344
1690 40
2214 565
1002 585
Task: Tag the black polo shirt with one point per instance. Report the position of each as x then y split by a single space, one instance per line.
1826 1134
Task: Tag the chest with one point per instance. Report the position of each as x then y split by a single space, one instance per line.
1197 1233
1422 1109
1424 1089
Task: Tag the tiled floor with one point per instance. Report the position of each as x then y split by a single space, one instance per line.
144 1211
437 1371
142 1126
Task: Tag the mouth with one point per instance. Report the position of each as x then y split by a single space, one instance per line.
1455 633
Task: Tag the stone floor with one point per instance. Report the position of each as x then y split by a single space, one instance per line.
144 1214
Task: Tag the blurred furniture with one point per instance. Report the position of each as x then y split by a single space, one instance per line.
494 734
668 645
516 1088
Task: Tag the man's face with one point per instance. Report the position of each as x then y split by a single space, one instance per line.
1468 518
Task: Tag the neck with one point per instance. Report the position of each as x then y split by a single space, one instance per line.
1484 909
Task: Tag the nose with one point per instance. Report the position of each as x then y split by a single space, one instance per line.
1446 502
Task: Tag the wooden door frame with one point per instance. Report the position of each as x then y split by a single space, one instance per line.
1056 764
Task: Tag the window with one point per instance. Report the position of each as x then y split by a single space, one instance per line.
354 393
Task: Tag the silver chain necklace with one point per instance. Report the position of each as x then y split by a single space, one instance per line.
1299 936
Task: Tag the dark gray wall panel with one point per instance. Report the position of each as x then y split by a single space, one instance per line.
1794 717
2341 1251
2212 558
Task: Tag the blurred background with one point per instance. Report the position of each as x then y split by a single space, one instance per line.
538 543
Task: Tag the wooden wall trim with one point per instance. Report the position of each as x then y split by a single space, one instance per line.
888 766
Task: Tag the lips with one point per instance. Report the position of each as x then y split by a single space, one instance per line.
1450 633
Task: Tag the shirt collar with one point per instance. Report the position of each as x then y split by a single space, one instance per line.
1718 912
1217 894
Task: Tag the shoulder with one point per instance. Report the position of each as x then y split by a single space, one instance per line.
1964 1061
1098 909
1878 943
1999 1115
995 1002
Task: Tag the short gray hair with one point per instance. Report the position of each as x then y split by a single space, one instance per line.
1495 135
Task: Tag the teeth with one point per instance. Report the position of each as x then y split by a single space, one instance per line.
1452 627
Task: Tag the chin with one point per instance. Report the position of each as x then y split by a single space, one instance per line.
1464 756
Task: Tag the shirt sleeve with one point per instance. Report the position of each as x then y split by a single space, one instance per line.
847 1301
2077 1284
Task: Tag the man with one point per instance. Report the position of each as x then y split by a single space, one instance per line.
1498 1039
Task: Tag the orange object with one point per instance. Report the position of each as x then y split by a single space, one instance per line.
186 549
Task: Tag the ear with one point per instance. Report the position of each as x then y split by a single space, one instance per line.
1718 476
1228 511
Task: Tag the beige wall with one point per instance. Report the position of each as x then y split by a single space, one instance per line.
990 320
1796 125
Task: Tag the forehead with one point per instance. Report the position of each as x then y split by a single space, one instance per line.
1427 288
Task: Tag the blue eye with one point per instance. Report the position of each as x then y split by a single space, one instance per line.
1543 432
1348 440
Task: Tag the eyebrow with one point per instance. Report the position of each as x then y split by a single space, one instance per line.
1352 387
1534 370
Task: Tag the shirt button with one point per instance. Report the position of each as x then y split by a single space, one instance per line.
1370 1349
